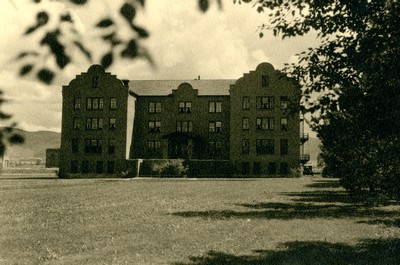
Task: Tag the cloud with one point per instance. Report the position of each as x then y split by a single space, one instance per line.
184 43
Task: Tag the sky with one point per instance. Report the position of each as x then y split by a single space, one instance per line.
184 43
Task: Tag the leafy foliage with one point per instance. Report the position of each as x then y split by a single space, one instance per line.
64 41
7 134
350 84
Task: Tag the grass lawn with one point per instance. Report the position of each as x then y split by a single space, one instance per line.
170 221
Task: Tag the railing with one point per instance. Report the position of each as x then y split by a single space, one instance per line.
304 137
304 158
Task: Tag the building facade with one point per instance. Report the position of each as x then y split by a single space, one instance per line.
265 118
251 124
182 124
94 125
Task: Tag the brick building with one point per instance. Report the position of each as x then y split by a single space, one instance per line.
251 123
94 124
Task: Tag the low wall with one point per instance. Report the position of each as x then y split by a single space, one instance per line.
178 168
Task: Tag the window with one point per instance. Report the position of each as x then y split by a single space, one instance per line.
74 167
75 145
271 168
93 146
99 167
284 169
85 167
214 148
245 123
215 106
265 103
264 81
284 147
257 168
95 81
246 103
184 126
94 123
265 146
112 124
94 103
111 146
245 168
284 124
185 107
154 126
154 107
77 123
265 123
215 126
245 146
97 103
153 146
110 167
77 103
113 103
284 102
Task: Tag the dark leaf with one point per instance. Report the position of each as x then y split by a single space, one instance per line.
51 40
16 139
105 23
107 60
203 5
36 1
78 2
83 49
24 54
4 116
141 31
25 69
66 18
42 18
261 34
131 50
31 29
142 2
128 11
46 76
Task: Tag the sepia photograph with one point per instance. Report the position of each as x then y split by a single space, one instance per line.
200 132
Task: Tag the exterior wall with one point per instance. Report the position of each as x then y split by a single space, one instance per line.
86 147
269 83
197 141
52 157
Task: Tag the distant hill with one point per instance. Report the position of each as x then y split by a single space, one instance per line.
35 144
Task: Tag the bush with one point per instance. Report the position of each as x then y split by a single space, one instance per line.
170 168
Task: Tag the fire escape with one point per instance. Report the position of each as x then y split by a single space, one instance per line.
304 158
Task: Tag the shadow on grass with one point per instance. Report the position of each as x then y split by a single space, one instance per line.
311 252
325 184
391 222
286 211
326 196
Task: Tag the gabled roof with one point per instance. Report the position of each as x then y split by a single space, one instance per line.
205 87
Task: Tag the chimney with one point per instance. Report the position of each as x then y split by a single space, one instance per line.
198 77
